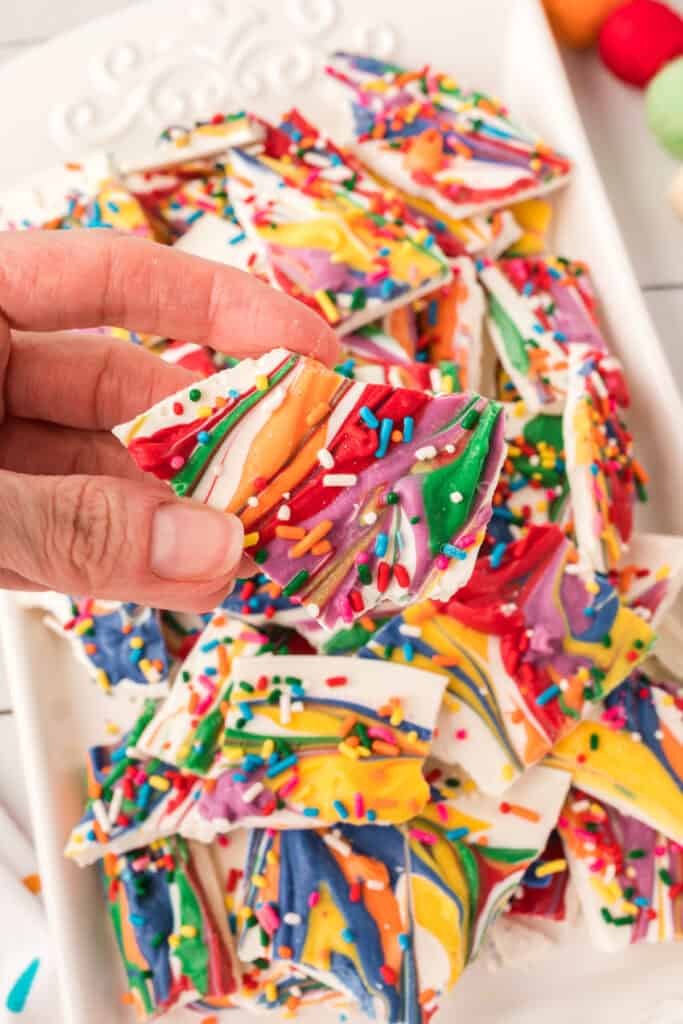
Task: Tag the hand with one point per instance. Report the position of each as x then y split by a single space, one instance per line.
76 515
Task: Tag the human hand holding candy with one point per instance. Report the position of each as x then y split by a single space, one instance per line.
77 514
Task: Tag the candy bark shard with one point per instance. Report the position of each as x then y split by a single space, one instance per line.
538 308
392 916
633 756
351 494
322 231
628 876
167 912
451 147
326 738
604 476
527 646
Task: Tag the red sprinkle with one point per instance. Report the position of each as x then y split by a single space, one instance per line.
336 681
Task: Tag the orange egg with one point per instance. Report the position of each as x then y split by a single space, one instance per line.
577 22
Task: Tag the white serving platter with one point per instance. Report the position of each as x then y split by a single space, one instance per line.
115 83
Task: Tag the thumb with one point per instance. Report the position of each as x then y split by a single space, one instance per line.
114 538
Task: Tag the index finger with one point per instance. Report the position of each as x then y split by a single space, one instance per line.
55 280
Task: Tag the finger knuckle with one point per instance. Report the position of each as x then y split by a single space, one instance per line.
90 529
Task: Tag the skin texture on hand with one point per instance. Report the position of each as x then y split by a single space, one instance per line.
76 515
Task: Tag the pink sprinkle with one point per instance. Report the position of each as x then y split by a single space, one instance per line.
442 811
268 918
140 777
287 787
422 837
441 562
380 732
314 898
253 638
563 822
207 681
140 863
597 865
660 850
271 833
358 805
467 540
177 462
346 610
461 734
204 704
361 558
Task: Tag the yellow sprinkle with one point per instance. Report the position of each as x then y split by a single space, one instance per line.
592 587
519 409
508 771
103 679
113 729
136 642
83 626
261 382
267 749
188 931
271 992
184 751
272 857
450 702
174 941
446 385
229 901
243 913
551 867
663 573
347 751
629 908
159 782
327 305
258 880
250 539
203 412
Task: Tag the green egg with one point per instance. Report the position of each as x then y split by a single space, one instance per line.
664 106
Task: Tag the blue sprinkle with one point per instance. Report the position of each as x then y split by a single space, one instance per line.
480 264
281 766
368 417
497 555
21 989
560 336
528 288
554 273
408 426
547 695
371 815
384 438
194 216
143 796
595 469
539 328
386 289
347 935
239 777
311 812
246 710
432 313
453 552
340 809
137 919
210 670
408 651
590 612
233 393
503 513
114 207
385 251
428 242
203 437
238 238
457 833
641 901
297 691
209 645
404 941
381 544
251 762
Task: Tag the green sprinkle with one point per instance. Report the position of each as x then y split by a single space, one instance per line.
415 519
296 583
392 498
470 419
595 741
636 854
260 556
195 394
666 876
364 574
358 298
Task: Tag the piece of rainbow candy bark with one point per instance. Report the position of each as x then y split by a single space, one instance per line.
318 739
121 645
351 495
537 309
633 756
322 230
628 876
526 646
543 888
604 476
454 148
392 916
532 488
167 911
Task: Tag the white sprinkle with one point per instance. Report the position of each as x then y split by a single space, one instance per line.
449 448
313 610
297 706
369 519
295 990
339 479
659 735
253 791
534 460
292 918
284 513
101 816
456 497
375 885
435 379
115 806
285 708
580 805
252 501
609 873
287 495
406 630
338 844
428 452
564 685
508 609
325 458
636 737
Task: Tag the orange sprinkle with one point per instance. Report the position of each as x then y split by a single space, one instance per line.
640 473
426 996
285 952
94 789
352 741
99 833
521 812
110 862
223 660
292 1002
347 724
367 623
445 659
127 998
319 531
32 883
322 548
219 620
290 532
380 747
193 702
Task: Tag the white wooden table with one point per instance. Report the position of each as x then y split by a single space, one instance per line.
637 173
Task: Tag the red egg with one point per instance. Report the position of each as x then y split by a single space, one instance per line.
638 38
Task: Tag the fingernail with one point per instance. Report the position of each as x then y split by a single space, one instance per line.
194 543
